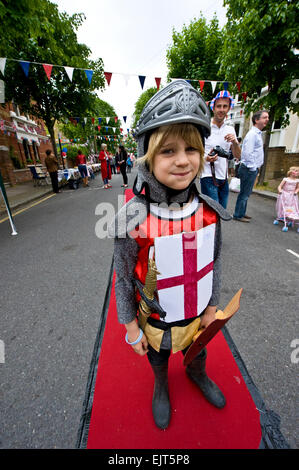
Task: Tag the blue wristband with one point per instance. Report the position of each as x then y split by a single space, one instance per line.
136 341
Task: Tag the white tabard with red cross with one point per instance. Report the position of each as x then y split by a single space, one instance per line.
185 264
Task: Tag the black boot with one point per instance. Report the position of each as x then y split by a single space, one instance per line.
196 370
160 403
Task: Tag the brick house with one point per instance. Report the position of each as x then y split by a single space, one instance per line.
23 141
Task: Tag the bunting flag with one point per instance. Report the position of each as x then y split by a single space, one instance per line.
141 79
115 119
89 74
92 120
244 95
108 76
100 120
225 85
99 128
213 86
25 67
2 64
48 70
69 71
201 84
126 77
158 81
239 85
125 118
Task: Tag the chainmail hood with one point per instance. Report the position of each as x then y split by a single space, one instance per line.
154 191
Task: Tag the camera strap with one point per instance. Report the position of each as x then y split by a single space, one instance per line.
214 176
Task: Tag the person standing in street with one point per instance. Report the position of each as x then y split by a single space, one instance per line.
52 166
252 159
112 165
213 179
105 166
122 160
81 162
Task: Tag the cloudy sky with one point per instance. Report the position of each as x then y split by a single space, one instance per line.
132 36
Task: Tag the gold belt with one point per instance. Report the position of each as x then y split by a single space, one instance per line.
181 336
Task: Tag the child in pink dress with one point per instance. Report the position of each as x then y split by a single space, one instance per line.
287 207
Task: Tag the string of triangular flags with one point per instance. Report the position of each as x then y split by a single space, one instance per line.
108 75
214 83
83 120
25 64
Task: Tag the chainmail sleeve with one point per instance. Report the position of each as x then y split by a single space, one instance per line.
125 258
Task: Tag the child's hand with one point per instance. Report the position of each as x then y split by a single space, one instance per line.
133 330
208 317
141 348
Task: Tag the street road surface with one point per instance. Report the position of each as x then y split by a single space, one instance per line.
54 276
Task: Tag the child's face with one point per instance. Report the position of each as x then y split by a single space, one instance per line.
295 173
176 164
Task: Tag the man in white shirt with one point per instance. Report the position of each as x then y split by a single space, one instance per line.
252 159
214 176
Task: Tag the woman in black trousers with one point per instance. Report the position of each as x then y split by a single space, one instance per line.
122 161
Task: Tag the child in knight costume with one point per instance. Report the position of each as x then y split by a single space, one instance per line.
167 243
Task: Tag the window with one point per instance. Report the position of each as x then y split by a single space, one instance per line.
16 109
35 150
26 147
277 124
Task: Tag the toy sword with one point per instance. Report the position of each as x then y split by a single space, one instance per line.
204 335
148 303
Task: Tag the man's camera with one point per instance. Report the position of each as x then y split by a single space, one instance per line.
221 153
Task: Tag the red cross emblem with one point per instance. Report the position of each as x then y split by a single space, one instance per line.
191 274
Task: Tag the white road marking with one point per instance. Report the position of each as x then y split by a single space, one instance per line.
293 253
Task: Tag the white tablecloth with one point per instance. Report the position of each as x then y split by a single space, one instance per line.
70 173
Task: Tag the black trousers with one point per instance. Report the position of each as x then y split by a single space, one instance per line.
158 358
54 180
124 173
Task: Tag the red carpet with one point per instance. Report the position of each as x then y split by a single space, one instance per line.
117 410
121 414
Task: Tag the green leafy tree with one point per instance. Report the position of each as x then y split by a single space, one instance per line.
130 143
36 31
141 102
259 50
87 131
194 53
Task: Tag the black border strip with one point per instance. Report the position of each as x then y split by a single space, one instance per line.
272 437
83 431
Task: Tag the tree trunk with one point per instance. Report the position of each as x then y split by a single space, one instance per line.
50 126
262 173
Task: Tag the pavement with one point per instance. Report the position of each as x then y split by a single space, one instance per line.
23 194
